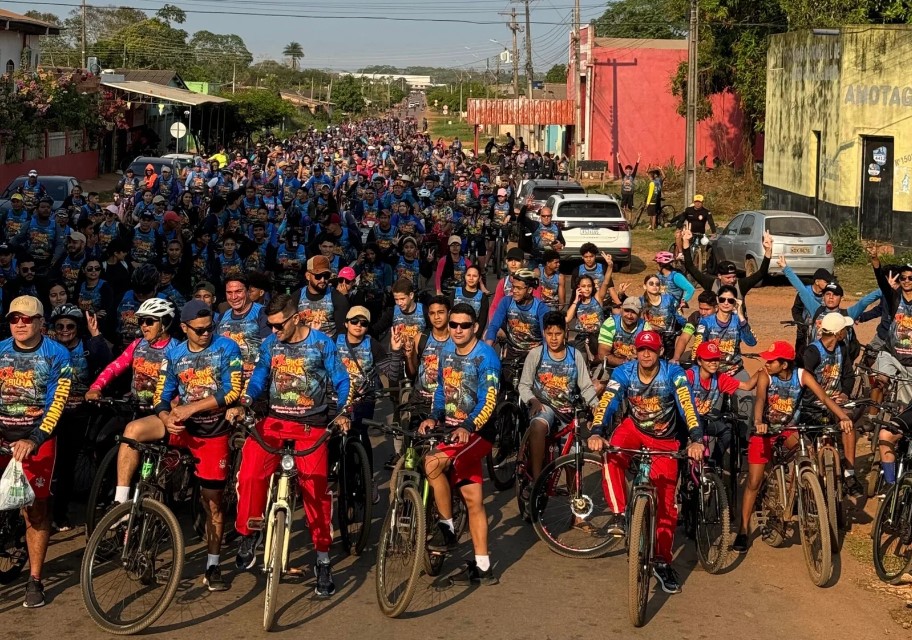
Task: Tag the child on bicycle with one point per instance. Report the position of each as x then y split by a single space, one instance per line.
775 410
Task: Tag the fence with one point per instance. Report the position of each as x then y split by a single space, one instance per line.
68 153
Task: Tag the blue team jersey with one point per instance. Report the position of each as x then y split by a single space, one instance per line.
467 387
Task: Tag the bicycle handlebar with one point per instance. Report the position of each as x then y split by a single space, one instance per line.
130 402
643 451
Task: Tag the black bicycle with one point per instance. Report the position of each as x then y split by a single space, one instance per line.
892 529
510 423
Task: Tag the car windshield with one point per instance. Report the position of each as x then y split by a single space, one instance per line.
794 227
590 210
57 189
543 193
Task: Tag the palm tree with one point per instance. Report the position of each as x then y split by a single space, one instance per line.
294 51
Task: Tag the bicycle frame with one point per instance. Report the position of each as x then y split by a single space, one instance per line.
281 498
642 487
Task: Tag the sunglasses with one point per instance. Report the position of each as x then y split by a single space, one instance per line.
26 270
148 322
65 327
728 300
359 322
326 275
278 326
202 330
16 318
905 279
346 281
93 269
461 325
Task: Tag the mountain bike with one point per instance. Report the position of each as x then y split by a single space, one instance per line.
510 423
892 527
790 483
707 516
134 558
355 488
402 549
13 551
641 528
663 218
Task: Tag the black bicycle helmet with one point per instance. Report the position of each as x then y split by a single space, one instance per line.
66 310
145 278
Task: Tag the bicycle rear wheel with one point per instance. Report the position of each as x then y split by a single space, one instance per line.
131 571
523 477
101 495
433 560
354 498
713 530
400 553
814 527
639 560
13 552
273 564
832 488
502 459
892 533
569 508
874 478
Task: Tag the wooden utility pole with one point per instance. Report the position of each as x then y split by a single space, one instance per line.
577 99
85 62
515 28
690 152
530 71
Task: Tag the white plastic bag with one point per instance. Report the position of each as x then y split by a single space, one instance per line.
15 490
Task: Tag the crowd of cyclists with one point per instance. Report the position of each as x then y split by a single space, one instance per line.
287 278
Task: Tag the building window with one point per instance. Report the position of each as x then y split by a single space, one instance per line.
10 66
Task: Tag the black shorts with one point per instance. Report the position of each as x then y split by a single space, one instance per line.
627 200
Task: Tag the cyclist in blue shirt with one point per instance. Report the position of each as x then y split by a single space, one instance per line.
520 317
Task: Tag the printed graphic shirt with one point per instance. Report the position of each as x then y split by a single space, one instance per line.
146 360
619 339
248 332
467 387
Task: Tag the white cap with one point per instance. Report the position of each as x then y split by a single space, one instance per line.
835 322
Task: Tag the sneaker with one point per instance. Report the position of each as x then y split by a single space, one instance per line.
853 487
392 462
246 553
443 539
740 543
471 576
62 525
325 585
618 526
34 593
213 579
667 577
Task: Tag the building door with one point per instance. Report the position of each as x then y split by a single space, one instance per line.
877 189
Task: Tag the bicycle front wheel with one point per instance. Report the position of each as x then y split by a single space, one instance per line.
101 495
814 528
892 533
273 563
832 488
639 560
400 553
502 459
131 570
355 492
713 530
874 478
523 481
570 510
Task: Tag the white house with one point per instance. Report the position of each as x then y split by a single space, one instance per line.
19 40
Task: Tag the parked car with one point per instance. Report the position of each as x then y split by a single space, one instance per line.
800 237
182 159
592 218
58 187
533 194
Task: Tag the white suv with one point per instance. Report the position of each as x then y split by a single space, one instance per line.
592 218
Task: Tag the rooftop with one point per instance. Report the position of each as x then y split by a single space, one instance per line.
10 21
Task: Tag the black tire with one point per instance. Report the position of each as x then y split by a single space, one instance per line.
552 507
772 503
750 268
639 560
13 552
666 215
502 458
713 526
84 470
433 560
101 495
523 483
402 543
892 534
874 478
355 492
274 570
229 497
103 556
832 488
814 528
498 259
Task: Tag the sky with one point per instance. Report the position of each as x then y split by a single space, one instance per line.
351 34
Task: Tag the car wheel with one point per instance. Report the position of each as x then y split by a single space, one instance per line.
750 268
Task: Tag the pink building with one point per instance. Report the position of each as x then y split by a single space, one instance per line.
628 108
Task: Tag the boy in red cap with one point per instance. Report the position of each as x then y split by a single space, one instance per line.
775 408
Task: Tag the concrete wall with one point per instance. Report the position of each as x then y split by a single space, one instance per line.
11 43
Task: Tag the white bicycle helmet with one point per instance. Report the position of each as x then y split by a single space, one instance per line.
157 308
424 193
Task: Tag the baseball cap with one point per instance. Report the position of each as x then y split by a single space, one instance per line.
16 196
835 288
823 274
171 216
158 199
112 208
632 303
195 309
698 198
166 169
147 215
33 174
79 237
358 311
709 351
204 285
454 240
5 248
727 268
516 254
779 350
27 306
318 264
347 273
408 239
835 322
501 192
648 340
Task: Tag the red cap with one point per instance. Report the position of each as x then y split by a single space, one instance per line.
171 216
779 350
648 340
334 219
709 351
478 172
347 272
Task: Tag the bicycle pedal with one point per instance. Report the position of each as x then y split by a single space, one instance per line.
256 524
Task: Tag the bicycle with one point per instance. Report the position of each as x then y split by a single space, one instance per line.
138 545
663 217
355 487
499 250
641 528
790 483
13 550
509 418
707 515
403 545
553 450
892 527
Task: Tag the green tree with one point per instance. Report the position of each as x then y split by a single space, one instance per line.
218 56
557 73
294 51
346 94
258 109
150 44
640 19
169 13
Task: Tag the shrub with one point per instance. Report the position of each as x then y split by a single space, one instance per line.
847 247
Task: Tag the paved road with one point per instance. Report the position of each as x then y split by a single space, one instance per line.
765 594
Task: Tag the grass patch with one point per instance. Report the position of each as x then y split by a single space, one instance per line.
439 127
